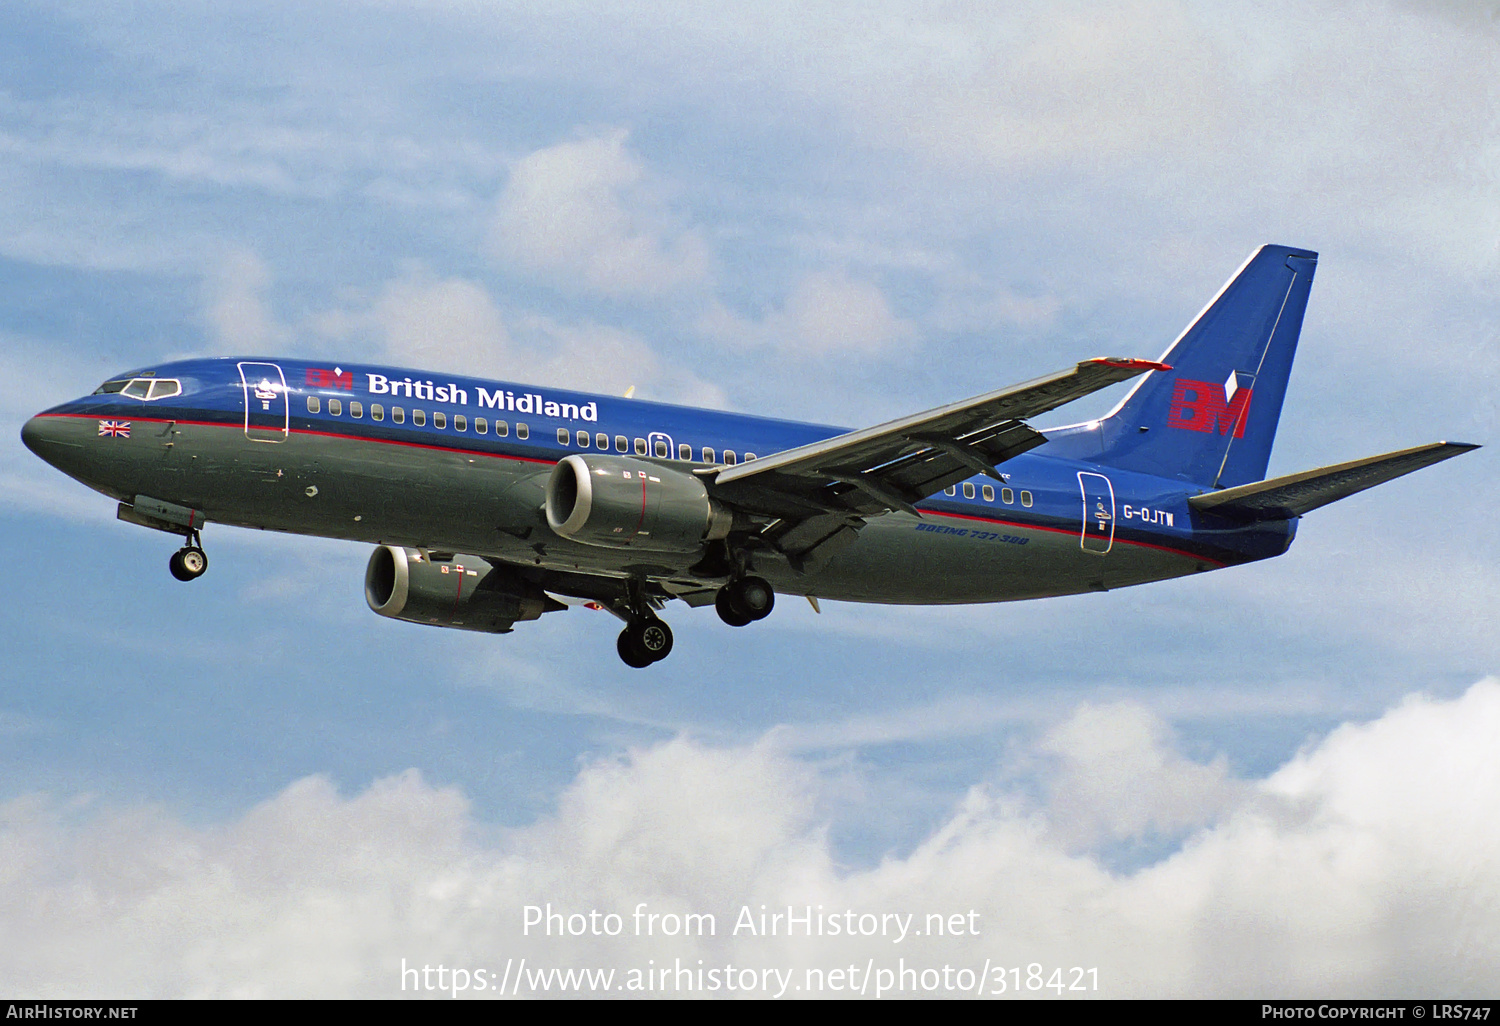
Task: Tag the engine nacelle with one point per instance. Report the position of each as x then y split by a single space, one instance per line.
620 503
450 590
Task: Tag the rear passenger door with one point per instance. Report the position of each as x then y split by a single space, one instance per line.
1098 530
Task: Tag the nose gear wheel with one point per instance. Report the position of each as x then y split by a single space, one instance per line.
189 562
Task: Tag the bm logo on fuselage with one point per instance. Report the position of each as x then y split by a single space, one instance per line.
1203 406
322 377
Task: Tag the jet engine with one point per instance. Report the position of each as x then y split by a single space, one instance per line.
620 503
450 590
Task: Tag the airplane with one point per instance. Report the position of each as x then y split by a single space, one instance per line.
492 503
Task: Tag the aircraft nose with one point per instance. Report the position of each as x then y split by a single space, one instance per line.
33 435
43 436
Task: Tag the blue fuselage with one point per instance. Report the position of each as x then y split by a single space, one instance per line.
436 461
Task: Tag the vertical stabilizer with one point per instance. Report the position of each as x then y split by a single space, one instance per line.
1212 418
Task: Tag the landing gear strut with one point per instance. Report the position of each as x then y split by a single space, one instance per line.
644 641
745 600
189 562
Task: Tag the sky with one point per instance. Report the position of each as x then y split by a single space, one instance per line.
1275 780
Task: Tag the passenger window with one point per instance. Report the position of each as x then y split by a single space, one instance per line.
684 451
336 407
622 444
951 490
640 447
708 455
968 489
164 388
502 428
313 405
564 436
1007 496
583 439
601 440
523 432
356 409
1025 498
460 422
398 415
989 493
377 412
730 459
662 452
439 420
481 426
419 418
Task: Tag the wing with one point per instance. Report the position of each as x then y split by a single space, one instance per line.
820 494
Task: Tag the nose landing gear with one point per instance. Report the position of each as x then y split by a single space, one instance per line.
189 562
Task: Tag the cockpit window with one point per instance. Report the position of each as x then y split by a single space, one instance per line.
144 389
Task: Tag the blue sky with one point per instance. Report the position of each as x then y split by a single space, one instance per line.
808 212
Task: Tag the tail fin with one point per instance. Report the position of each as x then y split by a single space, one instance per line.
1212 418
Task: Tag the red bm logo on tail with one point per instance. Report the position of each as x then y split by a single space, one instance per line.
1201 406
321 377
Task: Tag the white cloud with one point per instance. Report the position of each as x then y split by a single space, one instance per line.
1370 127
1118 778
600 358
236 305
827 313
454 324
447 324
588 213
1038 89
1369 864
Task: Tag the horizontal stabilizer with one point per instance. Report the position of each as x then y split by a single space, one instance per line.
1282 498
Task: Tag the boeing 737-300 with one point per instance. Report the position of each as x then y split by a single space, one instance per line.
491 503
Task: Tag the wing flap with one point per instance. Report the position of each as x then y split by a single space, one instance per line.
1282 498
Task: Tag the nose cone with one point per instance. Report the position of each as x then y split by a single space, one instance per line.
34 436
44 436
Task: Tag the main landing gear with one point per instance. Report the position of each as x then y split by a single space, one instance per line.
645 640
745 600
189 562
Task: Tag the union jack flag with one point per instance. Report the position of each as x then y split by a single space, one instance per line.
114 428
